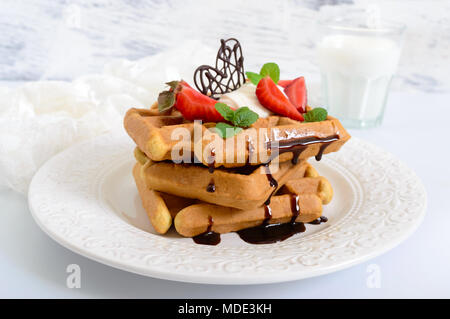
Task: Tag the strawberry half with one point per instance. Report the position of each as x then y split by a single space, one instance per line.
192 104
296 93
270 96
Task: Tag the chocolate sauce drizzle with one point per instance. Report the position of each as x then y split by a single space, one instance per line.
212 161
228 74
272 182
295 207
208 237
250 150
211 188
297 146
321 150
267 215
267 233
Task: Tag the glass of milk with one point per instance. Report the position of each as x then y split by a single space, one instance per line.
357 60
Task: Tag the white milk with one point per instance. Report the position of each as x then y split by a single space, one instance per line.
356 73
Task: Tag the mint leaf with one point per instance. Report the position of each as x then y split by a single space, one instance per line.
317 114
244 117
166 100
225 111
173 84
254 77
271 69
226 130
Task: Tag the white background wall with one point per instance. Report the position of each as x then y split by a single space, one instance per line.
61 39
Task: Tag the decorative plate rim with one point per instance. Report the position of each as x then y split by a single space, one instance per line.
69 208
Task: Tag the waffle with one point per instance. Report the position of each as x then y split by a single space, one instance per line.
241 188
192 217
161 208
195 219
310 185
153 132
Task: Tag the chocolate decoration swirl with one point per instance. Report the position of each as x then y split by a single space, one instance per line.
228 74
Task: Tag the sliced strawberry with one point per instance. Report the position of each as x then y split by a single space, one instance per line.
270 96
284 83
296 93
192 104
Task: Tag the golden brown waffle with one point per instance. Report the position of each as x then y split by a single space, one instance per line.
310 185
153 134
161 208
192 217
242 188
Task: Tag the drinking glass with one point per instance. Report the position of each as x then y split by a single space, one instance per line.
357 60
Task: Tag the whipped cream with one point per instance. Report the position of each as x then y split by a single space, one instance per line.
245 96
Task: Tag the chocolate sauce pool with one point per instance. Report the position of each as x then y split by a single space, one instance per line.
318 221
271 233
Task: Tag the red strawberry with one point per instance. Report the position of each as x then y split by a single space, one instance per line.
284 83
296 92
192 104
270 96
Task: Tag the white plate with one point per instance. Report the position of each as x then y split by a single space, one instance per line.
85 199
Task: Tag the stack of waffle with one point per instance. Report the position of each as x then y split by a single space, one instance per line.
220 197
